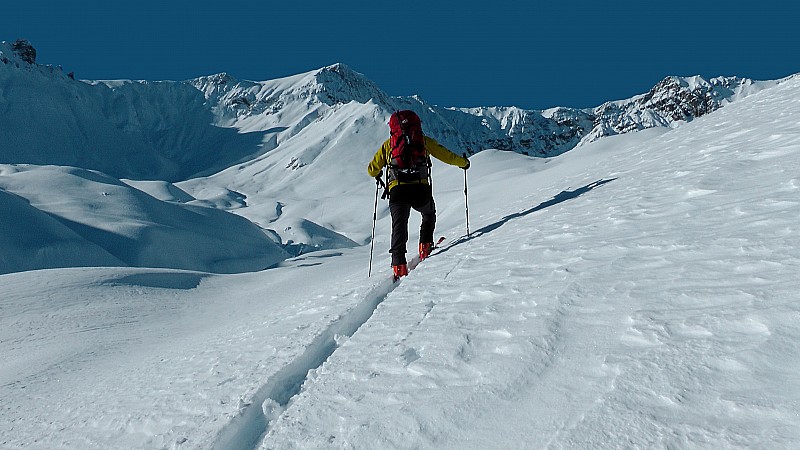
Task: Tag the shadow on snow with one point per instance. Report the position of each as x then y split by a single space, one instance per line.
558 198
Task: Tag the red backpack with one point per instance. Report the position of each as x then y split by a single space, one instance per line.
409 161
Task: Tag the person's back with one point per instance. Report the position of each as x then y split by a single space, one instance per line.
406 154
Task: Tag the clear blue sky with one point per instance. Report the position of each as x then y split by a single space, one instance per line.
530 54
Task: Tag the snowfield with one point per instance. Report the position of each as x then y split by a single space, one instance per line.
131 227
639 291
656 310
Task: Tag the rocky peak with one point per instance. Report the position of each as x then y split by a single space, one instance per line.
671 100
687 98
24 50
338 83
219 79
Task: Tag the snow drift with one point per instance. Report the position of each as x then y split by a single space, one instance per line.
62 217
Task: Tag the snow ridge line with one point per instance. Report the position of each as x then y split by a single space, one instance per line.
247 430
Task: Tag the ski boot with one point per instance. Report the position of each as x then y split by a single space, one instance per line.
425 249
400 270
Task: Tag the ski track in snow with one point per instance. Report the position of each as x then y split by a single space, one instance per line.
248 428
245 430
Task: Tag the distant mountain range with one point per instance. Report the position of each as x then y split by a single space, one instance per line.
174 131
536 133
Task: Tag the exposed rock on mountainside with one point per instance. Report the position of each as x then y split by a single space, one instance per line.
673 99
24 50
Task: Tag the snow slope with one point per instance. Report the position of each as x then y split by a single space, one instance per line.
127 129
69 217
655 309
638 291
35 240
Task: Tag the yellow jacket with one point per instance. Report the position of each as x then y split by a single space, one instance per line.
433 148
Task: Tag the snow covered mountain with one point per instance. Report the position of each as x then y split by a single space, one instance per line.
174 131
245 105
281 153
672 100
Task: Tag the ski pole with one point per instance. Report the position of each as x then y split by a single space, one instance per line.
466 197
374 219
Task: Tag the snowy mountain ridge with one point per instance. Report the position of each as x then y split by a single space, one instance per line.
671 101
537 133
236 100
166 124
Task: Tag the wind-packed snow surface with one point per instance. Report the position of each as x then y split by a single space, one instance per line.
640 291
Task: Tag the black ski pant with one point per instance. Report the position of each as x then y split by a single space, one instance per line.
401 199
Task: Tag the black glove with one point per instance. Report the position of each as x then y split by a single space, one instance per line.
467 166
